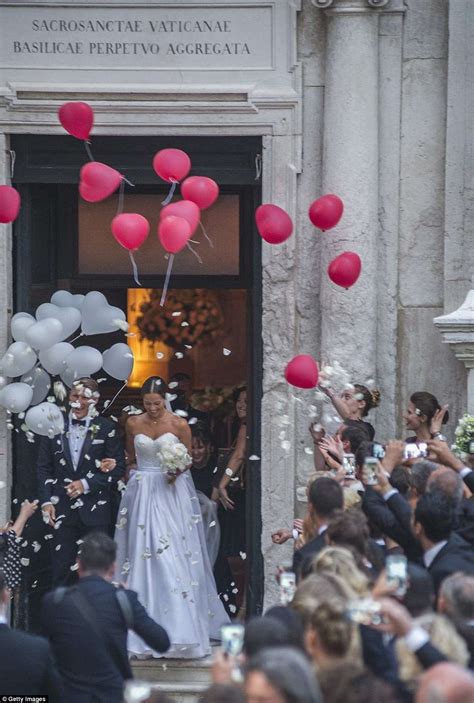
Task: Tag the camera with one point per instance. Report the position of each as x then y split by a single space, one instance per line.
370 471
378 452
287 587
396 565
415 451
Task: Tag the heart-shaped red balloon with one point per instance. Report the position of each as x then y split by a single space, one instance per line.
201 190
172 165
345 269
273 223
183 208
174 233
302 371
77 118
98 181
325 212
9 204
130 230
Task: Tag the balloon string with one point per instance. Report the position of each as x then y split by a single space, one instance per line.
88 150
129 183
171 193
167 279
194 252
121 197
76 338
134 267
115 397
206 235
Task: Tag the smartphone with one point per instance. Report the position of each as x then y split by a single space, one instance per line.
397 573
370 471
415 451
364 611
287 587
348 463
378 451
471 446
232 637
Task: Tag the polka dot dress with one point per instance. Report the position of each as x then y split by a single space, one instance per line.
10 558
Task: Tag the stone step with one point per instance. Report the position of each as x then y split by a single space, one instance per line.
182 679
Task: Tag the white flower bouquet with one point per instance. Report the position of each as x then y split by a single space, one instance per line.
464 437
174 457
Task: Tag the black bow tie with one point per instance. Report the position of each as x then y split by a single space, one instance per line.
79 422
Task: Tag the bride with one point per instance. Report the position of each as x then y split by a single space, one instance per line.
162 551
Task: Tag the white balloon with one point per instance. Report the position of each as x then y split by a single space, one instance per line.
18 359
45 419
85 361
40 382
68 376
44 334
54 358
65 299
118 361
98 317
19 324
70 317
16 397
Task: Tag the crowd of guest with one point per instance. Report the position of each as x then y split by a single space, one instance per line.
378 604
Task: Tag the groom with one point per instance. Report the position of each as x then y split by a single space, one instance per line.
76 474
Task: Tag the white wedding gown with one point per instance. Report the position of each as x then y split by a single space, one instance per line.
162 555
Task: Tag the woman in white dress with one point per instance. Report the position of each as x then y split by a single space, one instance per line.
161 545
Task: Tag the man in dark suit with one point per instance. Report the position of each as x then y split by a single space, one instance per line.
76 473
444 551
87 626
27 667
325 496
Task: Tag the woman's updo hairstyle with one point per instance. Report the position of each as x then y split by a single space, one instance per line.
427 404
334 629
155 384
371 398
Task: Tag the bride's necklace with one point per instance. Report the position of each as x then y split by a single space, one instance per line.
154 422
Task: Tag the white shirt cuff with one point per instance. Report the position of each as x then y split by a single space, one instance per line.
48 502
295 534
85 485
389 494
465 472
416 638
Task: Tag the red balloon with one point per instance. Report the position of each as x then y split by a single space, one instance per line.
201 190
9 204
174 233
130 230
172 165
98 181
273 223
183 208
345 269
302 371
325 212
77 119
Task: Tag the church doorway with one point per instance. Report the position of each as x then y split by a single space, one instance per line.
210 328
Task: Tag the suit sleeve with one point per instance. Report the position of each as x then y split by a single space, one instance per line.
45 470
429 655
113 449
52 683
469 481
402 510
153 634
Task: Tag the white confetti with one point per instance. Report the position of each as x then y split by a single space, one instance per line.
254 457
111 433
185 324
54 500
25 561
57 547
176 313
160 355
243 556
226 352
286 445
74 567
212 524
309 451
179 355
192 421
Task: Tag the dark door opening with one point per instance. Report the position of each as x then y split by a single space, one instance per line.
60 242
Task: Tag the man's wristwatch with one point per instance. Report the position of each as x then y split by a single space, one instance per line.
440 436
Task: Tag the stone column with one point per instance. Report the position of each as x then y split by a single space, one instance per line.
350 170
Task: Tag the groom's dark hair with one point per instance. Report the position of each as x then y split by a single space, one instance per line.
98 552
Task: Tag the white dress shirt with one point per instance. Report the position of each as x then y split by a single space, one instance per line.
432 552
77 437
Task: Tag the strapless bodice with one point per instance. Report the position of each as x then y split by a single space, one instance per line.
147 450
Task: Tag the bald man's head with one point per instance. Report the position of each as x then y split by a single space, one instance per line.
446 683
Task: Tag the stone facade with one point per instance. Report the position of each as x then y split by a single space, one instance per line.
371 99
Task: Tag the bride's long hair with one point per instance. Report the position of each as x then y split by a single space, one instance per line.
155 384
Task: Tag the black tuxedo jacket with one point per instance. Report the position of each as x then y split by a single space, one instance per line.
456 555
55 470
302 557
27 667
93 669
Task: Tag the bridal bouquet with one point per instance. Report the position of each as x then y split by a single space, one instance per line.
464 437
174 457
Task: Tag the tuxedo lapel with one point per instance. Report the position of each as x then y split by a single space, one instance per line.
66 447
86 447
